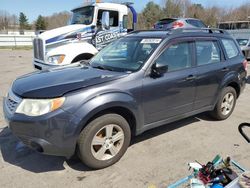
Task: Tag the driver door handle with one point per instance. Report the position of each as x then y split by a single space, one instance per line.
190 77
225 69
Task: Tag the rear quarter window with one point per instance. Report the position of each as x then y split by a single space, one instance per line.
230 47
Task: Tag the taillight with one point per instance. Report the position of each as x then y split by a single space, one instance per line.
245 63
178 24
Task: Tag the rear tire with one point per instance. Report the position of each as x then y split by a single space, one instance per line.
225 105
104 141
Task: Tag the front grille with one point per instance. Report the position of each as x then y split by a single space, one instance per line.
38 49
12 101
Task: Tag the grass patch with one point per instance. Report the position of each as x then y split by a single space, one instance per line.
16 47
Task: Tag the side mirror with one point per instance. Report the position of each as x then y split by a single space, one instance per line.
105 20
158 70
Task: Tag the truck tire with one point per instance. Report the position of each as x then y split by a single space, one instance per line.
225 105
104 141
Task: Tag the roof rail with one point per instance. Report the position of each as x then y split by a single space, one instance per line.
206 30
149 30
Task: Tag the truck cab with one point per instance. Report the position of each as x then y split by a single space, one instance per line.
93 26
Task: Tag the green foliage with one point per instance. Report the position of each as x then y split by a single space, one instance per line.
195 11
23 21
151 13
40 23
173 8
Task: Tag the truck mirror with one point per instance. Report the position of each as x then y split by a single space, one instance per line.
105 20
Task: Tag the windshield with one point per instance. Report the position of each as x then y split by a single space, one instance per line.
125 55
83 15
242 42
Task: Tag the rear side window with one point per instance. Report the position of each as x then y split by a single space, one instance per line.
230 47
207 52
177 56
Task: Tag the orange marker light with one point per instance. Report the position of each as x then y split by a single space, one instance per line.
57 103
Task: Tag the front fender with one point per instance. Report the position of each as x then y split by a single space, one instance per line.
72 50
103 102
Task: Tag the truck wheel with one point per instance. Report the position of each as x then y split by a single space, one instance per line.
225 104
104 141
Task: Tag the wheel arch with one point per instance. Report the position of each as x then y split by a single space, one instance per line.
83 56
236 86
114 102
125 112
232 80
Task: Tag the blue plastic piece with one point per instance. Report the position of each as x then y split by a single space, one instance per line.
216 186
180 182
134 13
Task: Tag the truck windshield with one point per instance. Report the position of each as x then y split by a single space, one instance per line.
125 55
83 15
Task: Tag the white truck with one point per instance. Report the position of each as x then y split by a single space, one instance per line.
92 27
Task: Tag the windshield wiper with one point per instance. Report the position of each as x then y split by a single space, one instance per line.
85 62
102 67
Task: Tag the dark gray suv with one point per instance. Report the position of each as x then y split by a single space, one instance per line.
144 80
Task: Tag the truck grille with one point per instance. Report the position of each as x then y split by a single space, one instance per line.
12 102
38 49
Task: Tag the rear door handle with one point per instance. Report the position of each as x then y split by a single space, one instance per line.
225 69
190 77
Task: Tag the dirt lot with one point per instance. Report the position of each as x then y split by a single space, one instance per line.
156 158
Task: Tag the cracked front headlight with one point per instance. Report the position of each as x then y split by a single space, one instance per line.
38 107
56 59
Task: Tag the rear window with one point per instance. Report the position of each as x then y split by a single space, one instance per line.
164 23
230 47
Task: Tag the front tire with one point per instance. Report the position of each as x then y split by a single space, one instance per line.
225 105
104 141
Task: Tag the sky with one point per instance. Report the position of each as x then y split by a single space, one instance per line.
33 8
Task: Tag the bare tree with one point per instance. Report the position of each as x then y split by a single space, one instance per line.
4 20
58 20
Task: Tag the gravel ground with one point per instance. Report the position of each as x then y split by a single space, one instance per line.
155 159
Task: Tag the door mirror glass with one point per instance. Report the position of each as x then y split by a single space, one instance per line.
105 20
158 70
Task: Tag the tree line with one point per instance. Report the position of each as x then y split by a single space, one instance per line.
210 15
12 22
152 12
